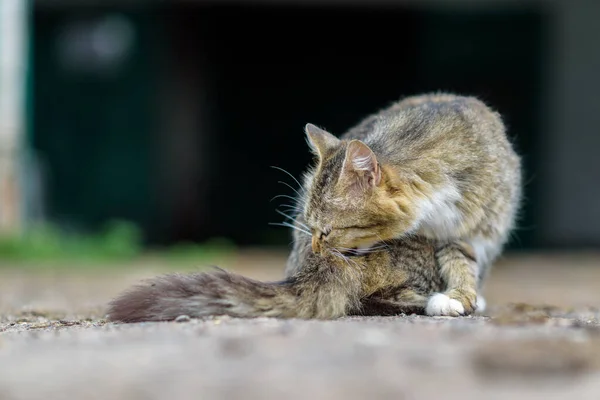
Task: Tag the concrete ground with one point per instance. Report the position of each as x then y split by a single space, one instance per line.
540 338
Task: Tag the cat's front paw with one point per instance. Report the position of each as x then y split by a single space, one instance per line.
465 296
441 305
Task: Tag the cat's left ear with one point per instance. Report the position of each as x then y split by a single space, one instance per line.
321 142
362 163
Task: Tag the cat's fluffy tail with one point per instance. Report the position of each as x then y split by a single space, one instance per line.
203 294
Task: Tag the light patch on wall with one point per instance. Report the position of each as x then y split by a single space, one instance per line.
99 46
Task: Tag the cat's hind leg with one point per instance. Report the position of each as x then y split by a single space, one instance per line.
392 301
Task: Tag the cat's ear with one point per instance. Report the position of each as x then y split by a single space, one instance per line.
320 141
361 163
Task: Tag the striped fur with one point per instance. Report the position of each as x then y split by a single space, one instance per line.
396 280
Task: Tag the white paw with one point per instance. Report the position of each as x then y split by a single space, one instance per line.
441 305
481 304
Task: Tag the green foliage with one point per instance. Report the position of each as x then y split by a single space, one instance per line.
119 240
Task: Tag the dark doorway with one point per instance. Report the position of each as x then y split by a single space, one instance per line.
272 69
262 72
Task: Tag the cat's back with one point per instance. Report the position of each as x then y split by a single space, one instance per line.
401 113
429 119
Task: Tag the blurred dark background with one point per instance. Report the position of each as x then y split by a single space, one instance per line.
170 114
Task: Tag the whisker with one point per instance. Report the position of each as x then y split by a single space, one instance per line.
286 215
382 247
288 225
359 252
292 218
362 251
285 196
357 272
341 255
290 186
354 262
383 241
291 176
337 254
292 207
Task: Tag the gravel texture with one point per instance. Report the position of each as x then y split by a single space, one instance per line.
539 339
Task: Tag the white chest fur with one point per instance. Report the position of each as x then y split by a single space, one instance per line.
438 216
486 250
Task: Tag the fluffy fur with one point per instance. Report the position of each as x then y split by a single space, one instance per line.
393 281
438 166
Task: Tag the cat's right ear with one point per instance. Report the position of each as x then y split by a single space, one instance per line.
319 140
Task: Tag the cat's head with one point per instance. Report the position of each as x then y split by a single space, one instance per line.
350 202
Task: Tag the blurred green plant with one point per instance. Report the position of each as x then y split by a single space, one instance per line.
118 240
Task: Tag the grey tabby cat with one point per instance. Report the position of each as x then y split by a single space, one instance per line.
437 166
404 213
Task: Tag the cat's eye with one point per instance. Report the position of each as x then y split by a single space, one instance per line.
358 227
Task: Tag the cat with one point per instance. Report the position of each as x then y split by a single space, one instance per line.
396 278
404 213
438 166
